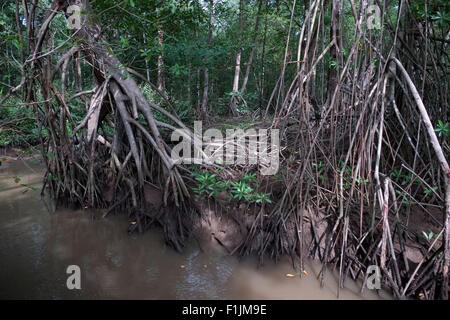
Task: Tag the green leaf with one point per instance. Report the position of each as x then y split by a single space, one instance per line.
16 43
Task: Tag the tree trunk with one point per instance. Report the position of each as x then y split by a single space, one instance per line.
250 59
204 108
160 82
334 35
262 83
189 93
198 93
147 69
237 69
86 163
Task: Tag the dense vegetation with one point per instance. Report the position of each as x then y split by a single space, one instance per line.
361 104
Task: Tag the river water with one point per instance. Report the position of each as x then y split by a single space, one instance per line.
37 246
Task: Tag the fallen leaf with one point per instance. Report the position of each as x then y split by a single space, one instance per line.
182 266
289 275
205 266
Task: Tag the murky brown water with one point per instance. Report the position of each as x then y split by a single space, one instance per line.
36 247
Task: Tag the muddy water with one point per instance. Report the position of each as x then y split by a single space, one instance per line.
36 247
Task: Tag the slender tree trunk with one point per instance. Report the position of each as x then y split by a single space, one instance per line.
287 55
189 93
198 92
261 90
22 51
147 69
78 79
160 81
334 34
204 108
237 69
250 59
198 103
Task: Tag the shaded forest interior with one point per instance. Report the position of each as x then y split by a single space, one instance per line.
357 89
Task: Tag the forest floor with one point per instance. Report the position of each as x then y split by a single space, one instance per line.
239 122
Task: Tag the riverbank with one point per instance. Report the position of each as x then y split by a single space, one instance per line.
222 228
37 246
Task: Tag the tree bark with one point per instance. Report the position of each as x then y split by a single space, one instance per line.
198 91
160 81
237 69
124 91
261 83
250 59
147 69
334 34
204 107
